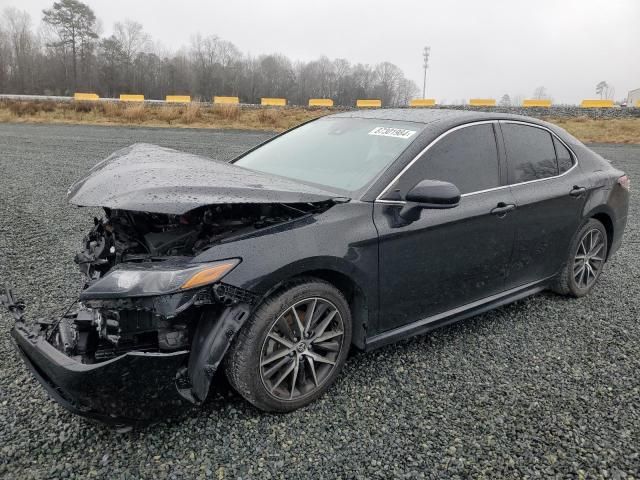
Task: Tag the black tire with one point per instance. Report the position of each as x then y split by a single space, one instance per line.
566 283
246 364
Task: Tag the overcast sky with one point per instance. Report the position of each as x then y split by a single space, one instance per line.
478 48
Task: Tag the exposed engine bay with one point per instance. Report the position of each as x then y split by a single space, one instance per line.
126 236
98 330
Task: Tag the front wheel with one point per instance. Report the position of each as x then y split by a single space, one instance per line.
292 348
586 260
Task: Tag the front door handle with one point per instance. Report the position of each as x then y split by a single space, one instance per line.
577 191
502 209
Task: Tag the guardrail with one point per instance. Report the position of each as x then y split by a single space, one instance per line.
313 102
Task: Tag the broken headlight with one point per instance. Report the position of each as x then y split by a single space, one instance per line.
148 279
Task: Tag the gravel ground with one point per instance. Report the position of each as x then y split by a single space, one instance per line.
547 387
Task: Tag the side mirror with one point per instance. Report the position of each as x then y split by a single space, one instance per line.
429 194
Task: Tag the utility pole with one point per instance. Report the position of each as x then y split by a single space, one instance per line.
425 55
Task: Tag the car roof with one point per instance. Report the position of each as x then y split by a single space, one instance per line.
438 120
432 115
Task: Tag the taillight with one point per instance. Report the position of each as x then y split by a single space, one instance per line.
625 182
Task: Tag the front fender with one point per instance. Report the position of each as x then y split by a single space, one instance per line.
342 240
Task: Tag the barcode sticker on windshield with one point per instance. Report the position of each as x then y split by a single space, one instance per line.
392 132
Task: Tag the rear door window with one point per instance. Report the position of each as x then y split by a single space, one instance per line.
467 157
530 153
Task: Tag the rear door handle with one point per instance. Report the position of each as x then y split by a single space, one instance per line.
577 191
502 209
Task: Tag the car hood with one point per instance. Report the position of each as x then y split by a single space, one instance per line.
150 178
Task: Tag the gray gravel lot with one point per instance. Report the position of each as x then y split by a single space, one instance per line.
547 387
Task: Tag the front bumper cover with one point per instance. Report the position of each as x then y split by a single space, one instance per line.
135 386
130 388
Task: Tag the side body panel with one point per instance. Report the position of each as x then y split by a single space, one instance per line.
445 259
546 219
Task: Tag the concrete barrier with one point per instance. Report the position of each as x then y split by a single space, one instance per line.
178 98
482 102
596 103
126 97
226 100
535 102
422 102
273 102
320 102
86 96
369 103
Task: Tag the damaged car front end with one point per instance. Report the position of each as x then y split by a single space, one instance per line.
153 321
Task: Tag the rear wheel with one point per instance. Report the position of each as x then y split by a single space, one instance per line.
586 260
292 348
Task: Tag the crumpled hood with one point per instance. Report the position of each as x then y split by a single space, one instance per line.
150 178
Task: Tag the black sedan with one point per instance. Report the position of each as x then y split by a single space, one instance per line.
351 231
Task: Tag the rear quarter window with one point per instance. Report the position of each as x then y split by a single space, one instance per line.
565 160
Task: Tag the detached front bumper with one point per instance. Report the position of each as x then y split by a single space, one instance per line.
133 387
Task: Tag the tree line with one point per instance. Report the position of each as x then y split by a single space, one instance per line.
67 54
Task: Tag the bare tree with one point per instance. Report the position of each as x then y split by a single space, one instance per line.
605 90
110 57
132 41
505 101
387 77
131 37
5 57
540 93
22 48
601 88
407 90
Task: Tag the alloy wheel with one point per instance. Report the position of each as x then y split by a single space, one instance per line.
301 348
589 258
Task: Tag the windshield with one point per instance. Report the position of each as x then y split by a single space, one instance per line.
343 153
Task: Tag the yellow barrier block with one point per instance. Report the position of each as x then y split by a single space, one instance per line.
131 98
320 102
178 99
86 96
226 100
274 102
422 102
482 102
368 103
638 103
536 103
595 103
